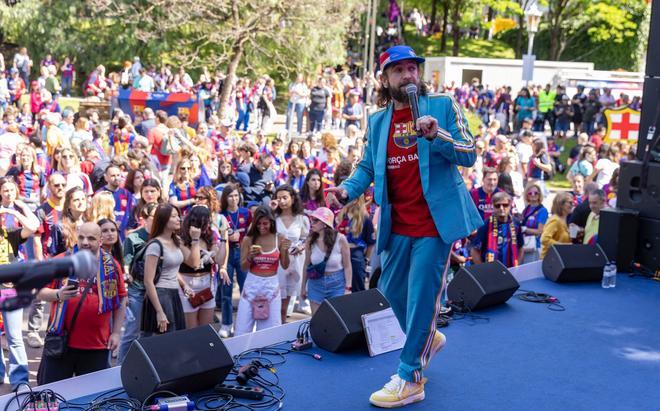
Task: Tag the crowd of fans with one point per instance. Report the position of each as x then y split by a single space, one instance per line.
180 215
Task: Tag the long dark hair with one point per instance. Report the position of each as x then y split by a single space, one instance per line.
200 217
296 205
148 182
305 193
229 188
385 97
116 249
161 217
329 237
259 213
130 179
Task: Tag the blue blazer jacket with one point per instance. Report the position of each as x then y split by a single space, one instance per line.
453 211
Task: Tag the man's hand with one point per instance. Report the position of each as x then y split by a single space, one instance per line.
428 126
113 341
336 194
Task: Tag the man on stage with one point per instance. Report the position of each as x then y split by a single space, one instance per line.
425 207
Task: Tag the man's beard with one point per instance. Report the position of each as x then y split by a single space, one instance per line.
400 95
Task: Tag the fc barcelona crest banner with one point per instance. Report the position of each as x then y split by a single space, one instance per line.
622 124
133 102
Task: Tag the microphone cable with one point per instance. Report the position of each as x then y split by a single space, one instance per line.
553 303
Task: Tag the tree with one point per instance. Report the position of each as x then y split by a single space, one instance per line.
248 34
604 20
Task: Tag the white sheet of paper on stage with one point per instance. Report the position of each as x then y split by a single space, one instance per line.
383 332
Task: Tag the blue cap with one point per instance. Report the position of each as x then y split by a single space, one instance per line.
398 53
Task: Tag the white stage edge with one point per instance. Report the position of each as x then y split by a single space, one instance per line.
110 379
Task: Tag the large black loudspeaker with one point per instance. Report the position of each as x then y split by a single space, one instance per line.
566 263
651 99
617 236
630 194
648 243
183 362
653 51
337 324
482 285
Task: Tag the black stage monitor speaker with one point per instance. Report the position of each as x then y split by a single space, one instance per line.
630 194
482 285
617 236
337 324
651 95
566 263
184 361
648 243
653 51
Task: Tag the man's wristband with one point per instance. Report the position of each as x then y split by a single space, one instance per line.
348 288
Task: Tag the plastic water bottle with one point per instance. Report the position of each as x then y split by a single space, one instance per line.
609 275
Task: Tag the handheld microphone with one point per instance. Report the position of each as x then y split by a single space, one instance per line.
27 276
411 91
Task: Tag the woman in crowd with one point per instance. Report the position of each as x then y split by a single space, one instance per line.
29 177
356 224
509 166
524 106
73 216
162 310
69 166
110 240
225 174
555 230
292 150
238 219
605 167
296 171
134 180
182 189
103 206
585 165
534 217
150 192
293 225
305 155
197 288
328 272
262 252
311 193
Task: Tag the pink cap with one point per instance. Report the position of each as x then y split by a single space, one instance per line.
324 214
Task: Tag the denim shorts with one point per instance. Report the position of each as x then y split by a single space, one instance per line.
330 285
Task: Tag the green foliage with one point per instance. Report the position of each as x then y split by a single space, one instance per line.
430 46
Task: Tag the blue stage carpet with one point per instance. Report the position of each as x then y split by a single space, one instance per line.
602 353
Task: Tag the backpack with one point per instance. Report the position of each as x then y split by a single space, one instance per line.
137 265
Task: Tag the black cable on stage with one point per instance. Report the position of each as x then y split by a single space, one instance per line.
552 302
460 312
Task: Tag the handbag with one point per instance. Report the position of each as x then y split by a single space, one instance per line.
260 308
201 297
56 345
316 271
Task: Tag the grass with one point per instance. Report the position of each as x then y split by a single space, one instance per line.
430 46
559 181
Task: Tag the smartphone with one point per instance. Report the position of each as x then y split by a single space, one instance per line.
72 283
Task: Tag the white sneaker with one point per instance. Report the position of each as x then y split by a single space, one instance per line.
303 307
226 331
397 393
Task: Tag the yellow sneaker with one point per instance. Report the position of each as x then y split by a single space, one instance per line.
439 341
397 393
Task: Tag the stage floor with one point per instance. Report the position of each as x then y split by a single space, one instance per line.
602 352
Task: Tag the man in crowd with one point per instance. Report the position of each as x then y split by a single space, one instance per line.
596 203
483 196
97 329
500 239
123 198
48 243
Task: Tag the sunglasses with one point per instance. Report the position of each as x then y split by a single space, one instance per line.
532 193
501 205
200 198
